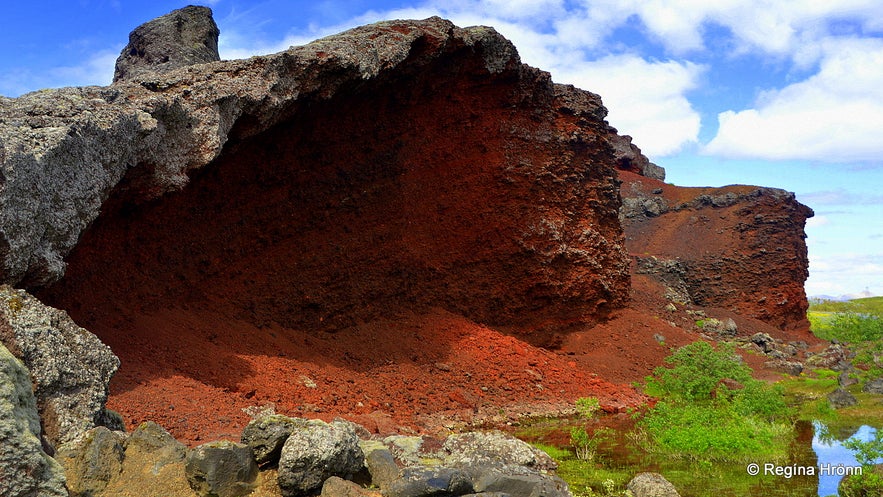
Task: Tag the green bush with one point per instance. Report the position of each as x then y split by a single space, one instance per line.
696 370
588 406
697 419
585 446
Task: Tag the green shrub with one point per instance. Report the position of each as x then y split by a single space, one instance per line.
696 370
585 446
588 406
697 419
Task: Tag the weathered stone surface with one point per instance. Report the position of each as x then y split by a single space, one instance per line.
92 462
338 487
382 467
738 247
841 398
315 452
153 466
25 470
494 449
441 481
527 485
651 485
266 436
178 39
221 469
516 156
873 386
70 367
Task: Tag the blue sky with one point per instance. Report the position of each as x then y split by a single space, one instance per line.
775 93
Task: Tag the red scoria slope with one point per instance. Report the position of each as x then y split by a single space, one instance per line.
393 248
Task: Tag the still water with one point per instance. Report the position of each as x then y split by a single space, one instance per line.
833 453
814 468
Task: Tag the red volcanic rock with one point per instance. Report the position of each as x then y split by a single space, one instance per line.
737 247
384 200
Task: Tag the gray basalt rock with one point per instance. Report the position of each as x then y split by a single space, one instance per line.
267 435
221 469
425 482
841 398
315 452
178 39
494 449
651 485
25 469
69 366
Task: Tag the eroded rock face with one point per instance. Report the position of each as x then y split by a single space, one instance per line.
737 247
180 38
394 166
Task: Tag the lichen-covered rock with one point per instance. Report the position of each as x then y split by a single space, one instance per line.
153 465
651 485
221 469
25 469
267 435
494 449
315 452
873 386
92 462
180 38
70 367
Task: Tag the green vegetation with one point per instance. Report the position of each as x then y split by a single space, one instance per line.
871 305
711 409
869 482
585 446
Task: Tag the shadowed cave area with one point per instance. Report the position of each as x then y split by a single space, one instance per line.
367 229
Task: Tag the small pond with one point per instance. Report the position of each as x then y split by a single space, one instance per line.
814 467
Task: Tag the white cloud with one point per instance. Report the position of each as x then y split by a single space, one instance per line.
834 116
645 98
835 274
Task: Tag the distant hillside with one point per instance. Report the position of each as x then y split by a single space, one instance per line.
869 305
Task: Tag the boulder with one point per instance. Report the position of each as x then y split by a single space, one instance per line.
25 469
426 482
70 367
841 398
494 449
221 469
93 461
338 487
873 386
153 465
316 451
180 38
651 485
267 435
492 480
382 467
